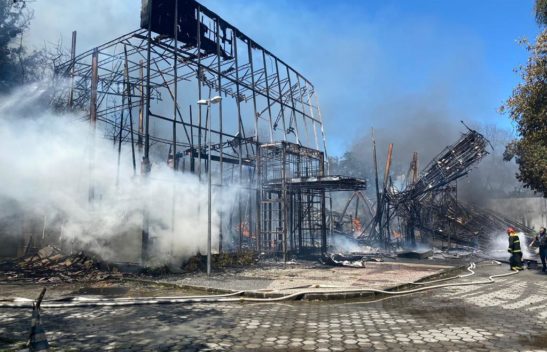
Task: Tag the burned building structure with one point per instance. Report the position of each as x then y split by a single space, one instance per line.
191 90
194 91
427 209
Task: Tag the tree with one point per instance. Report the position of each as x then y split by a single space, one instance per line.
541 12
17 65
527 107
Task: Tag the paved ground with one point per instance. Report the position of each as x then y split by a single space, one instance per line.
315 276
111 288
508 315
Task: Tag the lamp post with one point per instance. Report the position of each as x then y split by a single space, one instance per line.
208 102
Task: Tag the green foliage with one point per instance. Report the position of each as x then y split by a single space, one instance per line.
527 107
12 25
541 12
17 65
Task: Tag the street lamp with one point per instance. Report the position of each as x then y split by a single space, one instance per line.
215 100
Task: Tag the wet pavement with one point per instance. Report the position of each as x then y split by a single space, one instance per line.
509 315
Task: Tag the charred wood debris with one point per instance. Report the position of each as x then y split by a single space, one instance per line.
427 209
51 265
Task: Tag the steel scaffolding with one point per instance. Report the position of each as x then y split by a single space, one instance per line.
142 88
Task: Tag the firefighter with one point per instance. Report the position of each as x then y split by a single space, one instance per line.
514 248
541 241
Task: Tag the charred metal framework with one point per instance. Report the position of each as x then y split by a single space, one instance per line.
142 88
426 210
293 191
431 189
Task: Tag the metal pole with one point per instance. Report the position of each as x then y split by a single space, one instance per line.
284 203
323 224
192 159
209 181
331 224
256 116
175 110
93 118
145 165
146 158
121 133
141 108
240 147
221 161
175 88
94 87
198 41
72 70
128 92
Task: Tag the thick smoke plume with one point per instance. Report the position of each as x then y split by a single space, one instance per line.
426 124
49 164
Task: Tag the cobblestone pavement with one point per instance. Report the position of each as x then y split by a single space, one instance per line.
508 315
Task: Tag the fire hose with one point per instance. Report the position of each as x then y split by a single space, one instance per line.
233 297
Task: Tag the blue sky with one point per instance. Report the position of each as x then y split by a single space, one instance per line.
373 62
388 64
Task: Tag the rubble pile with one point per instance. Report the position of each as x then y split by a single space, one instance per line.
49 264
220 261
354 260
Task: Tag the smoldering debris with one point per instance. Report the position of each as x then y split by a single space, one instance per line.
50 265
353 260
220 261
416 254
425 209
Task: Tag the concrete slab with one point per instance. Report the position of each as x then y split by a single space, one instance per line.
279 279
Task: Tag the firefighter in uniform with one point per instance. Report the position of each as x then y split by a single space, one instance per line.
514 248
541 240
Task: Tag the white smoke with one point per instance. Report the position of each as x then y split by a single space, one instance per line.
342 244
500 244
47 168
